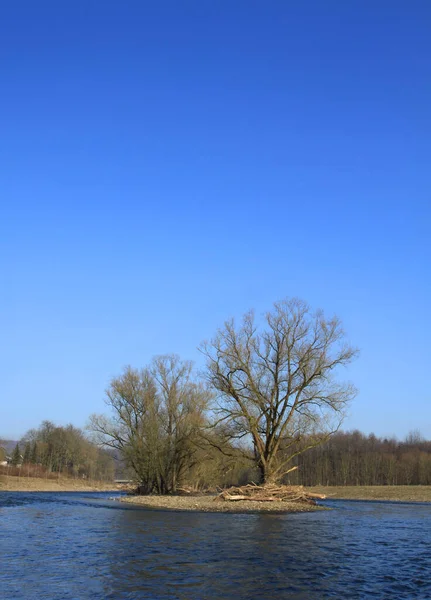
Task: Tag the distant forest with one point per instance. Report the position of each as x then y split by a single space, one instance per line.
352 458
50 451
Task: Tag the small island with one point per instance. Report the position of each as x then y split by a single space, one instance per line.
207 502
245 499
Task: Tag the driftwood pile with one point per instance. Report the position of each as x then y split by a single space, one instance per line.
269 493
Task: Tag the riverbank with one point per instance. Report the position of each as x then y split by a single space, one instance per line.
395 493
206 503
38 484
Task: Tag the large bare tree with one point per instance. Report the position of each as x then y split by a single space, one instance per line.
277 385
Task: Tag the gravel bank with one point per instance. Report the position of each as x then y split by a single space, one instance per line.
207 504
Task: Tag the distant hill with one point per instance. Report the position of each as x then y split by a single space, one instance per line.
8 445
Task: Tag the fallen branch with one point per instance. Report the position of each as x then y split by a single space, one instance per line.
268 493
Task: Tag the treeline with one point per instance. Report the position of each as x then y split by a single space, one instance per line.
205 462
65 451
352 458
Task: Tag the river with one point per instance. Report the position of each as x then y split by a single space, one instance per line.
84 546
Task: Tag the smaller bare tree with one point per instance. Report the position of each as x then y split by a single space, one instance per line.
157 413
276 386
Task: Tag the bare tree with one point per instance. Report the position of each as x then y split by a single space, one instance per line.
132 427
276 386
156 415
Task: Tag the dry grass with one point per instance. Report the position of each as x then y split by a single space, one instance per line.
28 471
396 493
36 484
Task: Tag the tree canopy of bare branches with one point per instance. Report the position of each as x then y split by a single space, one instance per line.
277 384
157 413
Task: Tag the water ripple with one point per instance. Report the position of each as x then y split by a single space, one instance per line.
82 546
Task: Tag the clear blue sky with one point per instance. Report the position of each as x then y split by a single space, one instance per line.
166 165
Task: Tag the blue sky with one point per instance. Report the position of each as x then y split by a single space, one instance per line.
165 166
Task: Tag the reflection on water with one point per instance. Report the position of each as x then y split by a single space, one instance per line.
79 546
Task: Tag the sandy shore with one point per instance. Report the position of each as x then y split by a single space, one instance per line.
396 493
36 484
207 504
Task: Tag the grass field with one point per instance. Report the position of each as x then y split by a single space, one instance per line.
38 484
400 493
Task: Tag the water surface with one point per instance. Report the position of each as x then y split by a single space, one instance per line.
82 545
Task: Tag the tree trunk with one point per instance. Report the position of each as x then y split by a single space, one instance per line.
267 473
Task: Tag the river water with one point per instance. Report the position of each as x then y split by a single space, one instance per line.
82 545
